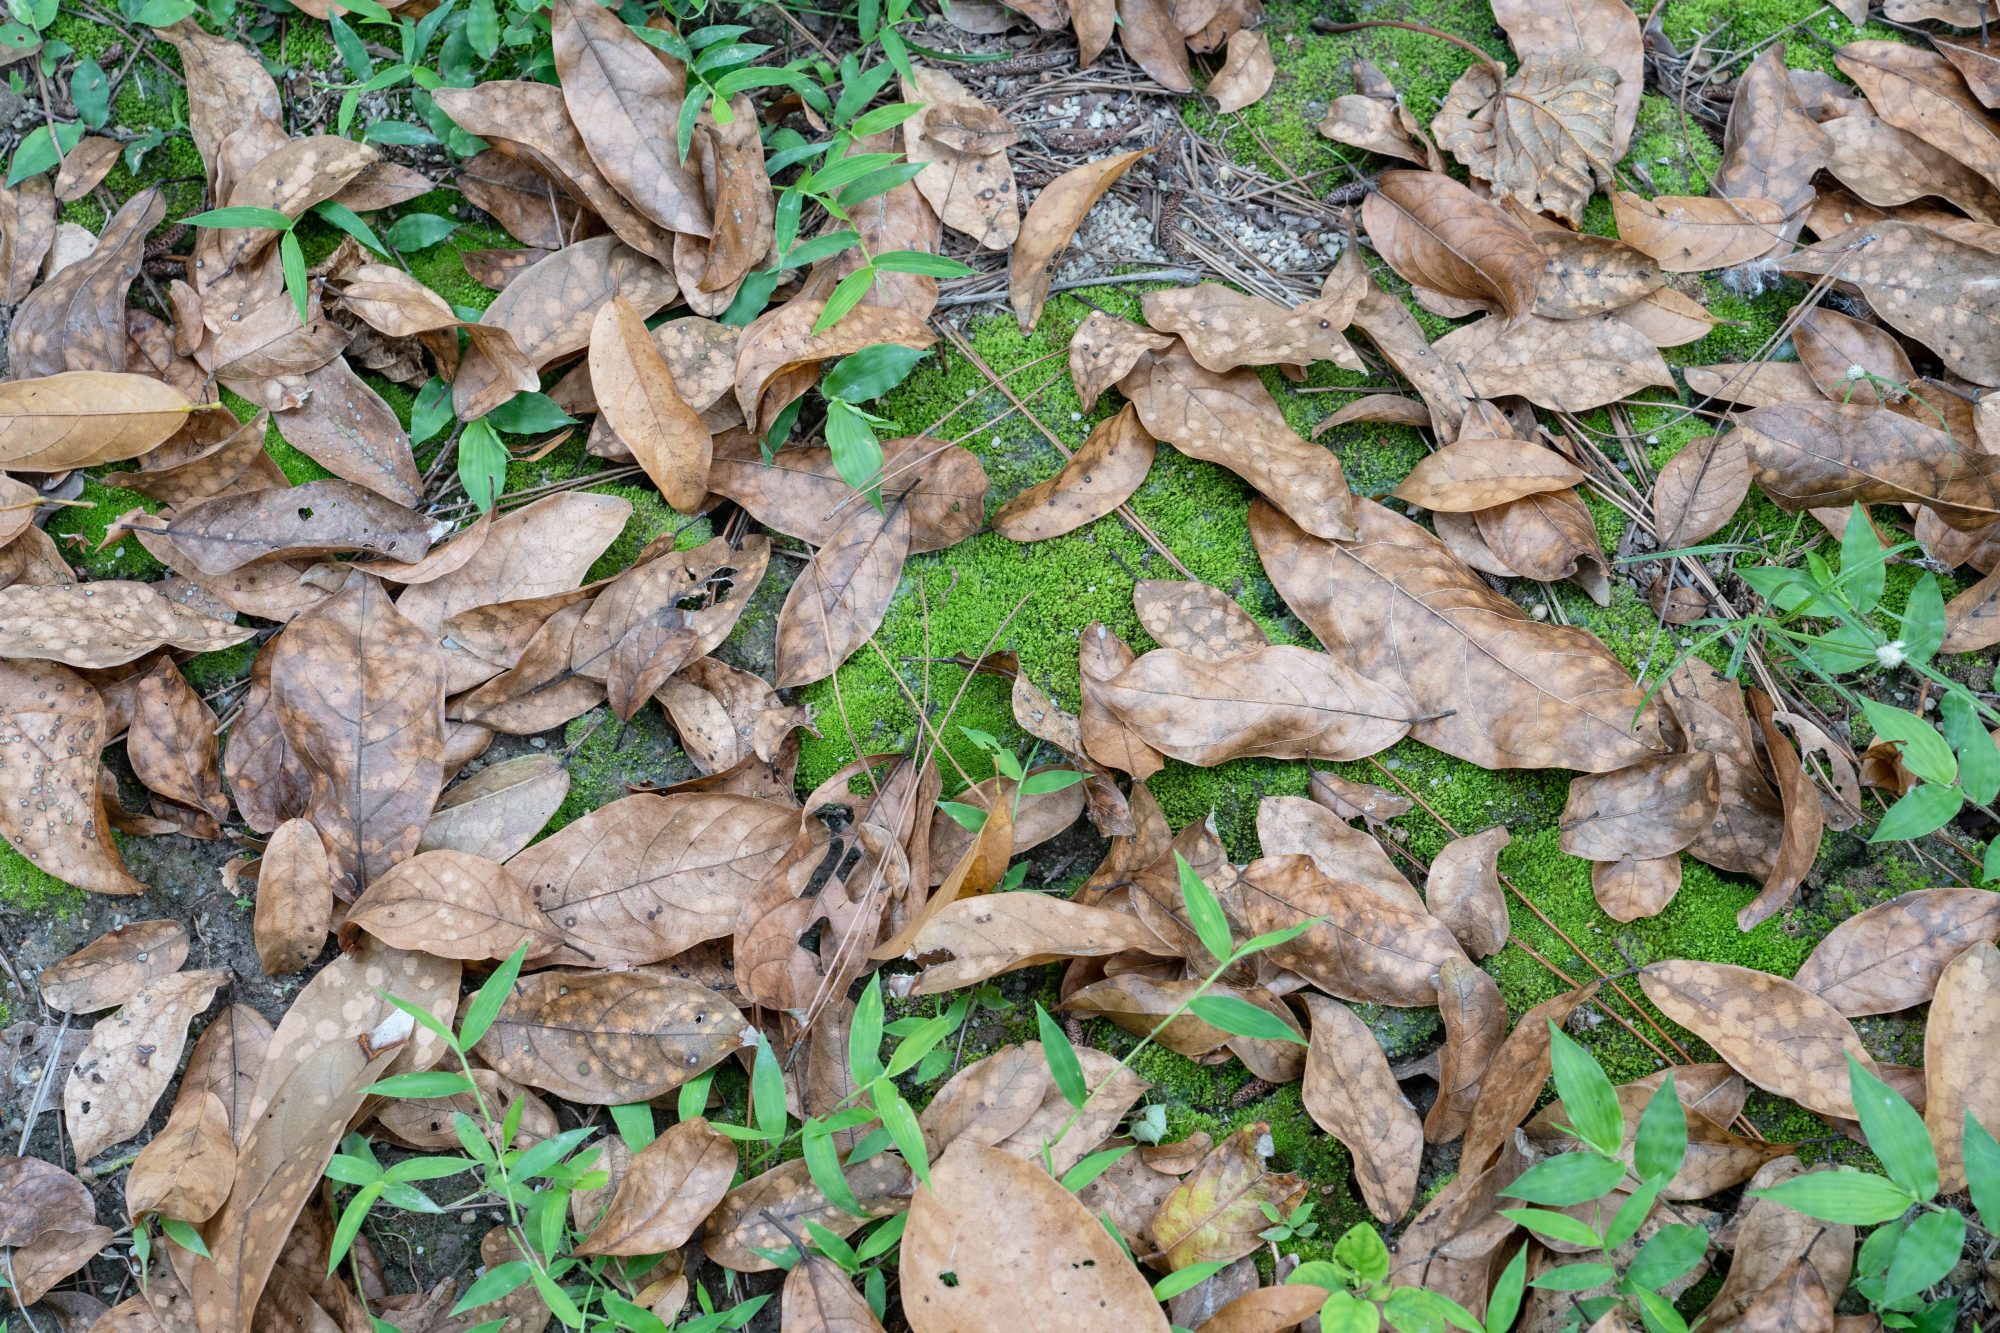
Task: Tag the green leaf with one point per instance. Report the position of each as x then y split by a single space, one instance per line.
184 1235
1668 1253
351 222
823 1165
1978 756
1556 1226
353 53
528 413
1566 1179
864 1035
492 994
767 1093
1588 1098
923 1039
293 257
1064 1067
847 294
922 262
397 134
1271 939
432 1083
1204 912
1924 752
37 152
1575 1277
482 464
1054 779
432 411
781 428
968 817
871 372
1414 1310
1861 566
901 1122
1505 1302
818 248
1660 1146
1922 809
635 1124
692 1100
1894 1131
1173 1284
883 118
558 1300
1923 621
1631 1214
428 1168
1929 1250
268 218
1240 1018
857 454
419 231
482 29
90 92
1344 1313
1840 1195
1982 1168
1361 1252
1091 1167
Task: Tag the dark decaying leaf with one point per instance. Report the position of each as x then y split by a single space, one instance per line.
1441 236
1350 1093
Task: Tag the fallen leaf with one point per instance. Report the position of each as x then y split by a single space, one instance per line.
989 1222
743 1223
75 321
1496 687
1691 234
27 230
359 692
778 357
1889 957
1267 1310
1112 463
40 1197
1544 137
1439 235
646 877
1350 1093
526 200
211 453
1886 166
294 898
1651 809
1475 1026
1829 343
962 144
1959 1082
1224 329
1352 800
104 624
50 738
226 532
1215 1214
671 1186
1632 887
1666 318
1699 489
538 550
1147 31
989 1100
1565 365
976 938
267 778
1364 948
81 418
635 391
131 1058
186 1170
1777 1034
800 492
453 905
347 428
818 1295
226 1061
1603 31
1196 619
500 809
1817 455
624 104
51 1257
113 967
1246 73
1468 475
606 1038
1275 702
1919 91
1588 275
1230 419
1463 891
840 598
1053 219
1517 1073
1103 351
1770 1238
1972 619
1922 283
1771 148
1797 1301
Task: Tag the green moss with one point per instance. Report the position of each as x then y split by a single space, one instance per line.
1744 25
606 757
25 887
208 672
79 532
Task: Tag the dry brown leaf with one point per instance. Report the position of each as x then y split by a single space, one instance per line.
40 1196
1392 409
989 1100
635 392
976 938
1104 350
540 550
1505 691
1690 234
1588 275
1889 957
605 1038
348 429
212 453
1518 1071
1475 1025
1829 343
1771 148
1544 137
226 532
52 1257
526 200
1215 1214
1196 619
1246 73
1886 166
1058 211
1777 1034
1972 619
1749 819
111 968
75 321
360 694
1603 31
499 810
27 230
1634 887
1367 947
267 778
1224 328
131 1058
819 1297
1921 92
1468 475
1699 489
963 145
1754 383
1820 455
1439 235
1769 1237
50 737
1922 283
801 493
624 103
226 1061
1278 702
742 1224
1797 1301
1230 419
85 417
1666 318
989 1226
104 624
1350 1093
839 599
1151 37
294 898
778 357
671 1186
186 1170
1566 365
1099 477
1352 800
1651 809
1960 1077
1463 891
454 905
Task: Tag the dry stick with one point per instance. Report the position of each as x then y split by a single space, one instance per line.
1123 511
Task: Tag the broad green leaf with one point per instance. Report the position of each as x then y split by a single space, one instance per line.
1362 1252
1982 1169
968 817
1841 1195
1660 1146
1861 566
921 262
1505 1301
864 1035
1923 809
1929 1250
1058 779
1631 1214
482 464
1923 621
847 294
1173 1284
1671 1251
767 1093
1240 1018
1204 912
184 1235
269 218
823 1164
1587 1095
901 1122
1556 1226
1570 1178
90 93
292 257
1091 1167
1064 1066
1575 1277
492 994
419 231
1894 1131
1924 752
431 1083
1978 756
1343 1313
528 413
38 151
635 1124
351 222
866 375
857 454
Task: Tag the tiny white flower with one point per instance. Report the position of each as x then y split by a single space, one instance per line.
1857 372
1890 655
1652 439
